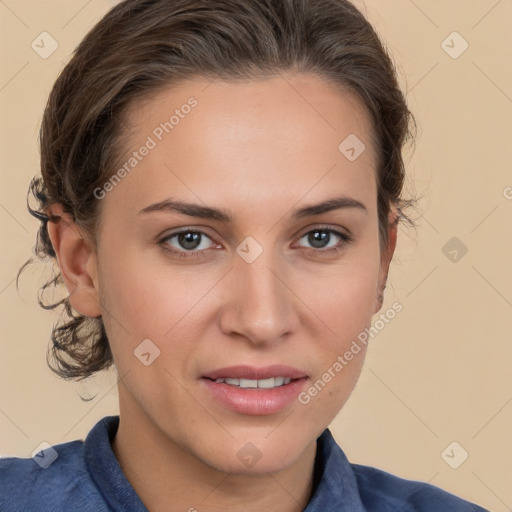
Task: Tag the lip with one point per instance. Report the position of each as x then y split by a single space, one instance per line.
251 401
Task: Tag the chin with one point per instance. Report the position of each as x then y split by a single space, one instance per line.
263 466
256 454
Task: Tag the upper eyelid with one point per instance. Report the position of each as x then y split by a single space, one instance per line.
321 227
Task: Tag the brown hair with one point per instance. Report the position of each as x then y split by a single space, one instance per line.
141 46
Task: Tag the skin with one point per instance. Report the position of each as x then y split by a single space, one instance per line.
259 149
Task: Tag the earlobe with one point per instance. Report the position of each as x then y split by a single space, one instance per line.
76 258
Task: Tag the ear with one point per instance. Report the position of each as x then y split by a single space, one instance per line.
77 261
386 257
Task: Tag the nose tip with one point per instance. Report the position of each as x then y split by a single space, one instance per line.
259 306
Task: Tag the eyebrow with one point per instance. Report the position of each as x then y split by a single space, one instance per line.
208 212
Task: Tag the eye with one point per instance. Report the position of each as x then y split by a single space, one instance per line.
325 239
193 243
186 242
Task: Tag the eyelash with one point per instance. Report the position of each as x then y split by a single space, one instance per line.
344 240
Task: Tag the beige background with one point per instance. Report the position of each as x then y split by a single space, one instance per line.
440 371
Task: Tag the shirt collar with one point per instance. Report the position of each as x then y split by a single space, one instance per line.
336 487
105 469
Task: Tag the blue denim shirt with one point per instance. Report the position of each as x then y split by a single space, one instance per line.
86 477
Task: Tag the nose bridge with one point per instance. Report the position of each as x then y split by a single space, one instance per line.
260 306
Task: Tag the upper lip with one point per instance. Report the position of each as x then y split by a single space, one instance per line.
254 373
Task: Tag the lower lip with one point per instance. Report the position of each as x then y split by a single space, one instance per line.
255 401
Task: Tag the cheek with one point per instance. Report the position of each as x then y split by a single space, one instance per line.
341 313
141 297
344 299
158 303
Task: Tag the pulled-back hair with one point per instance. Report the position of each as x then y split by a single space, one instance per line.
141 46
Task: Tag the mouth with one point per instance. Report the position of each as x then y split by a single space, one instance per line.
252 373
270 383
255 391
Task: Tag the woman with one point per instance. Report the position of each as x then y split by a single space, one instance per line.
221 189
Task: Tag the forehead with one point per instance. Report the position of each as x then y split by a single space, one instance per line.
274 138
248 107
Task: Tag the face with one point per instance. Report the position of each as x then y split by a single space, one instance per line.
248 284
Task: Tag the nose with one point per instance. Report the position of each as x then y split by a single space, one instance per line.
259 303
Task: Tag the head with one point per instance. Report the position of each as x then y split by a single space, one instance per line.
185 150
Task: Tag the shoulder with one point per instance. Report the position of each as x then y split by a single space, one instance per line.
342 485
382 491
53 479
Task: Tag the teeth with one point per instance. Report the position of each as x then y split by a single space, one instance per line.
278 381
247 383
266 383
273 382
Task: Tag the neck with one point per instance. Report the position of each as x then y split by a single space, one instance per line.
161 472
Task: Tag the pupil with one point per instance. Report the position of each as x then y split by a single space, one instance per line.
318 236
189 240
